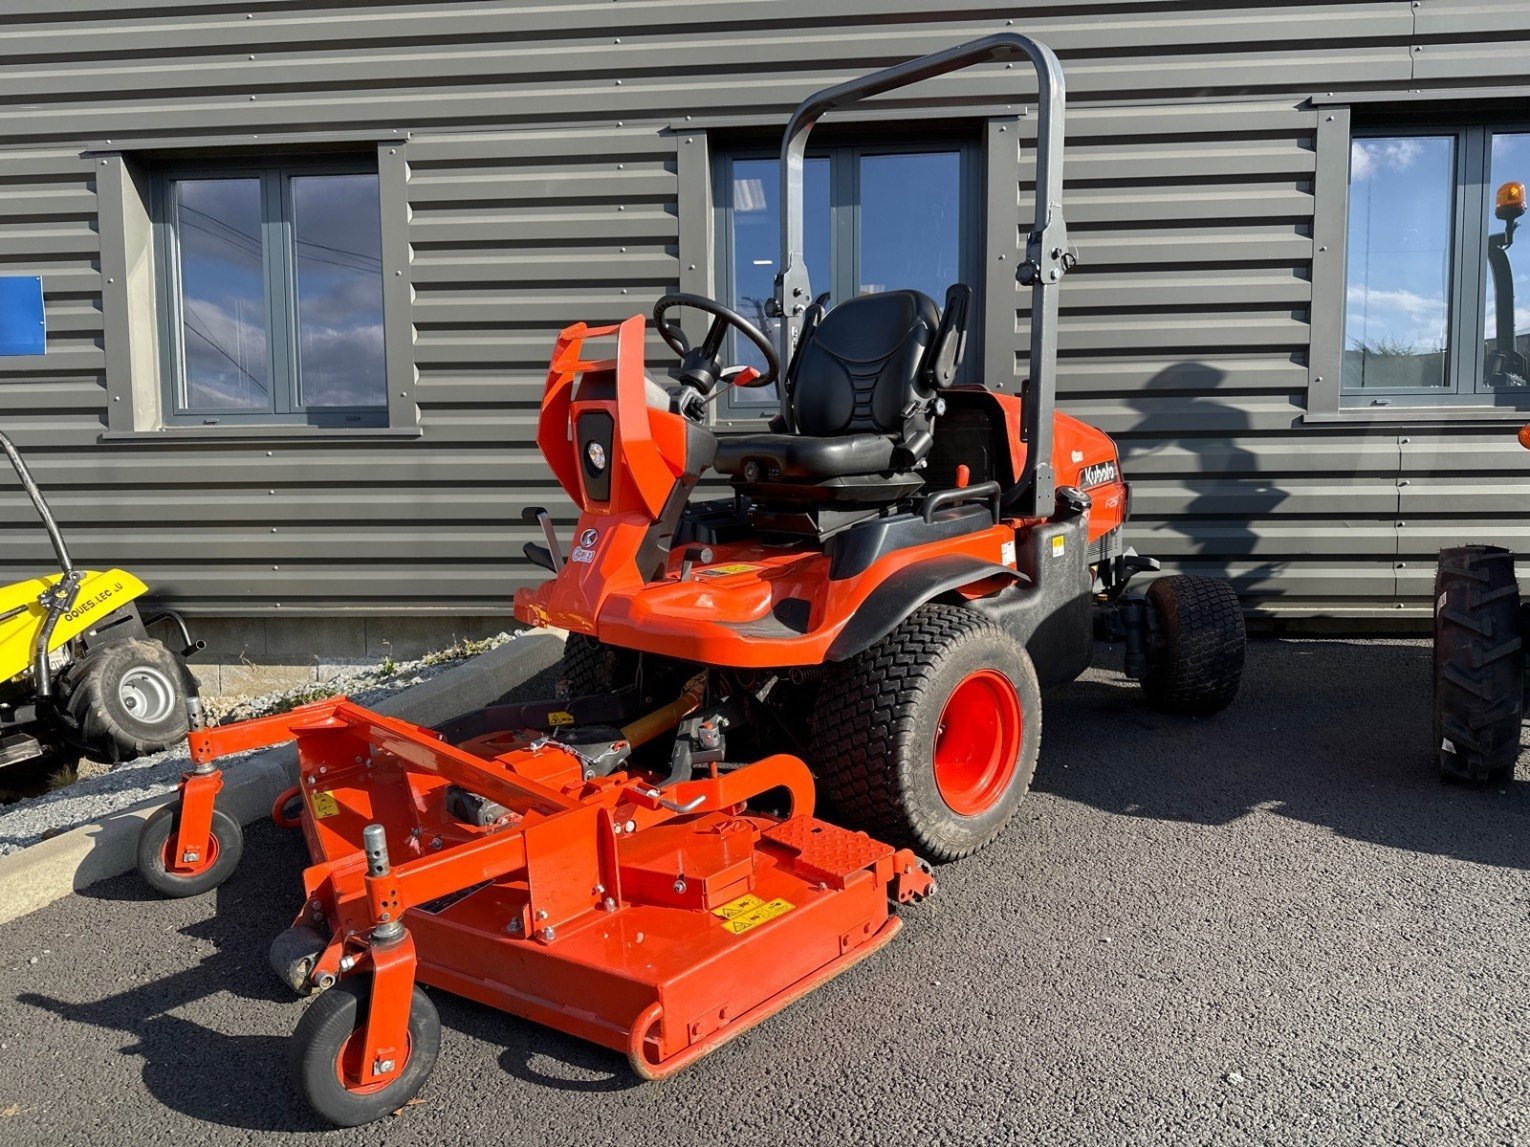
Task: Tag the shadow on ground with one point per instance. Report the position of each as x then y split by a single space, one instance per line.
1333 733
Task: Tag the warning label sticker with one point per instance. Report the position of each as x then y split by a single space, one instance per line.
324 804
1059 545
738 916
724 571
560 718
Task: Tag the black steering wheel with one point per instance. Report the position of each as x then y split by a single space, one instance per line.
700 366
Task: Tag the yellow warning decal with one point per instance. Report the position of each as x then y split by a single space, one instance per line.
738 916
324 804
560 718
724 571
1058 544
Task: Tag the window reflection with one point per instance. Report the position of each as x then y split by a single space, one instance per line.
1506 317
1396 316
756 220
337 240
223 301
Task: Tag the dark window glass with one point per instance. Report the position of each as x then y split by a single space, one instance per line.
224 327
337 240
910 222
1402 204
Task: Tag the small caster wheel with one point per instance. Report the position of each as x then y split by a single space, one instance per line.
327 1049
293 956
287 811
156 842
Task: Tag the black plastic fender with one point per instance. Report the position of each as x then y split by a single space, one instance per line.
905 591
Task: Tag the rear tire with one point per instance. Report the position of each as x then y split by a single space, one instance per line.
1196 645
928 739
125 699
1479 665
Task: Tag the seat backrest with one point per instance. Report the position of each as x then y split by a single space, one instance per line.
861 367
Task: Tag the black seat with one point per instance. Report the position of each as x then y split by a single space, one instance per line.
856 421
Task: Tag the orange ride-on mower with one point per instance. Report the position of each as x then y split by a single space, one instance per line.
901 565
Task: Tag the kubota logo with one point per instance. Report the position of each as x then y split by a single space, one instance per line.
585 550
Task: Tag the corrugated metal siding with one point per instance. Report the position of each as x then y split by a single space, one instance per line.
1190 192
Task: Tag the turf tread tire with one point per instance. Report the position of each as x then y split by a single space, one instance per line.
873 724
91 711
1195 662
591 667
1479 664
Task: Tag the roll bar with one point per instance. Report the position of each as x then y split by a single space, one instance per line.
1046 248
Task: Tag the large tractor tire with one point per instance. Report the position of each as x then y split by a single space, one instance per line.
1196 645
125 699
928 739
1479 666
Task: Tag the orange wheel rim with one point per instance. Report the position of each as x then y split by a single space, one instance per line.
171 862
348 1065
977 742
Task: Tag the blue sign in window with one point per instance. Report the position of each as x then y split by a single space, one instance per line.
23 329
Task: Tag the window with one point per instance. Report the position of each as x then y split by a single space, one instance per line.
1437 298
272 296
876 219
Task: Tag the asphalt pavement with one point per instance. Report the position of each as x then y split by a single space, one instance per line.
1271 926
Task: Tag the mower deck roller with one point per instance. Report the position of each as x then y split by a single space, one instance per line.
659 923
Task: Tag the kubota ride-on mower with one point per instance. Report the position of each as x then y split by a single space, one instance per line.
901 565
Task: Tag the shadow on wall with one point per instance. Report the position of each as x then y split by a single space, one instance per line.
1329 733
1217 529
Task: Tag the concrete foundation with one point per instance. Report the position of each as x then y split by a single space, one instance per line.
258 654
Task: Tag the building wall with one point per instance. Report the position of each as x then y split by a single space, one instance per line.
545 145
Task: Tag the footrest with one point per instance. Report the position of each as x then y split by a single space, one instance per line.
824 853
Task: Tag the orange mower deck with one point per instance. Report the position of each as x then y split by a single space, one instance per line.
660 925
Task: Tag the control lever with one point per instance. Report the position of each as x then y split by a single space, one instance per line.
541 517
693 555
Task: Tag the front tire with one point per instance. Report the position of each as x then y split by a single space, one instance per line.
125 699
1196 645
929 738
156 840
326 1048
1479 665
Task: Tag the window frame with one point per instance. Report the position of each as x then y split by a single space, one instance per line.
1465 398
278 218
844 233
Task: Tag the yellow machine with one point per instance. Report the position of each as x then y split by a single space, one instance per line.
79 673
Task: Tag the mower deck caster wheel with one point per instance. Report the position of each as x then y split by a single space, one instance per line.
293 956
156 840
329 1042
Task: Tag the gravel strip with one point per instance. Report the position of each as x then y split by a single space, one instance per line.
100 792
